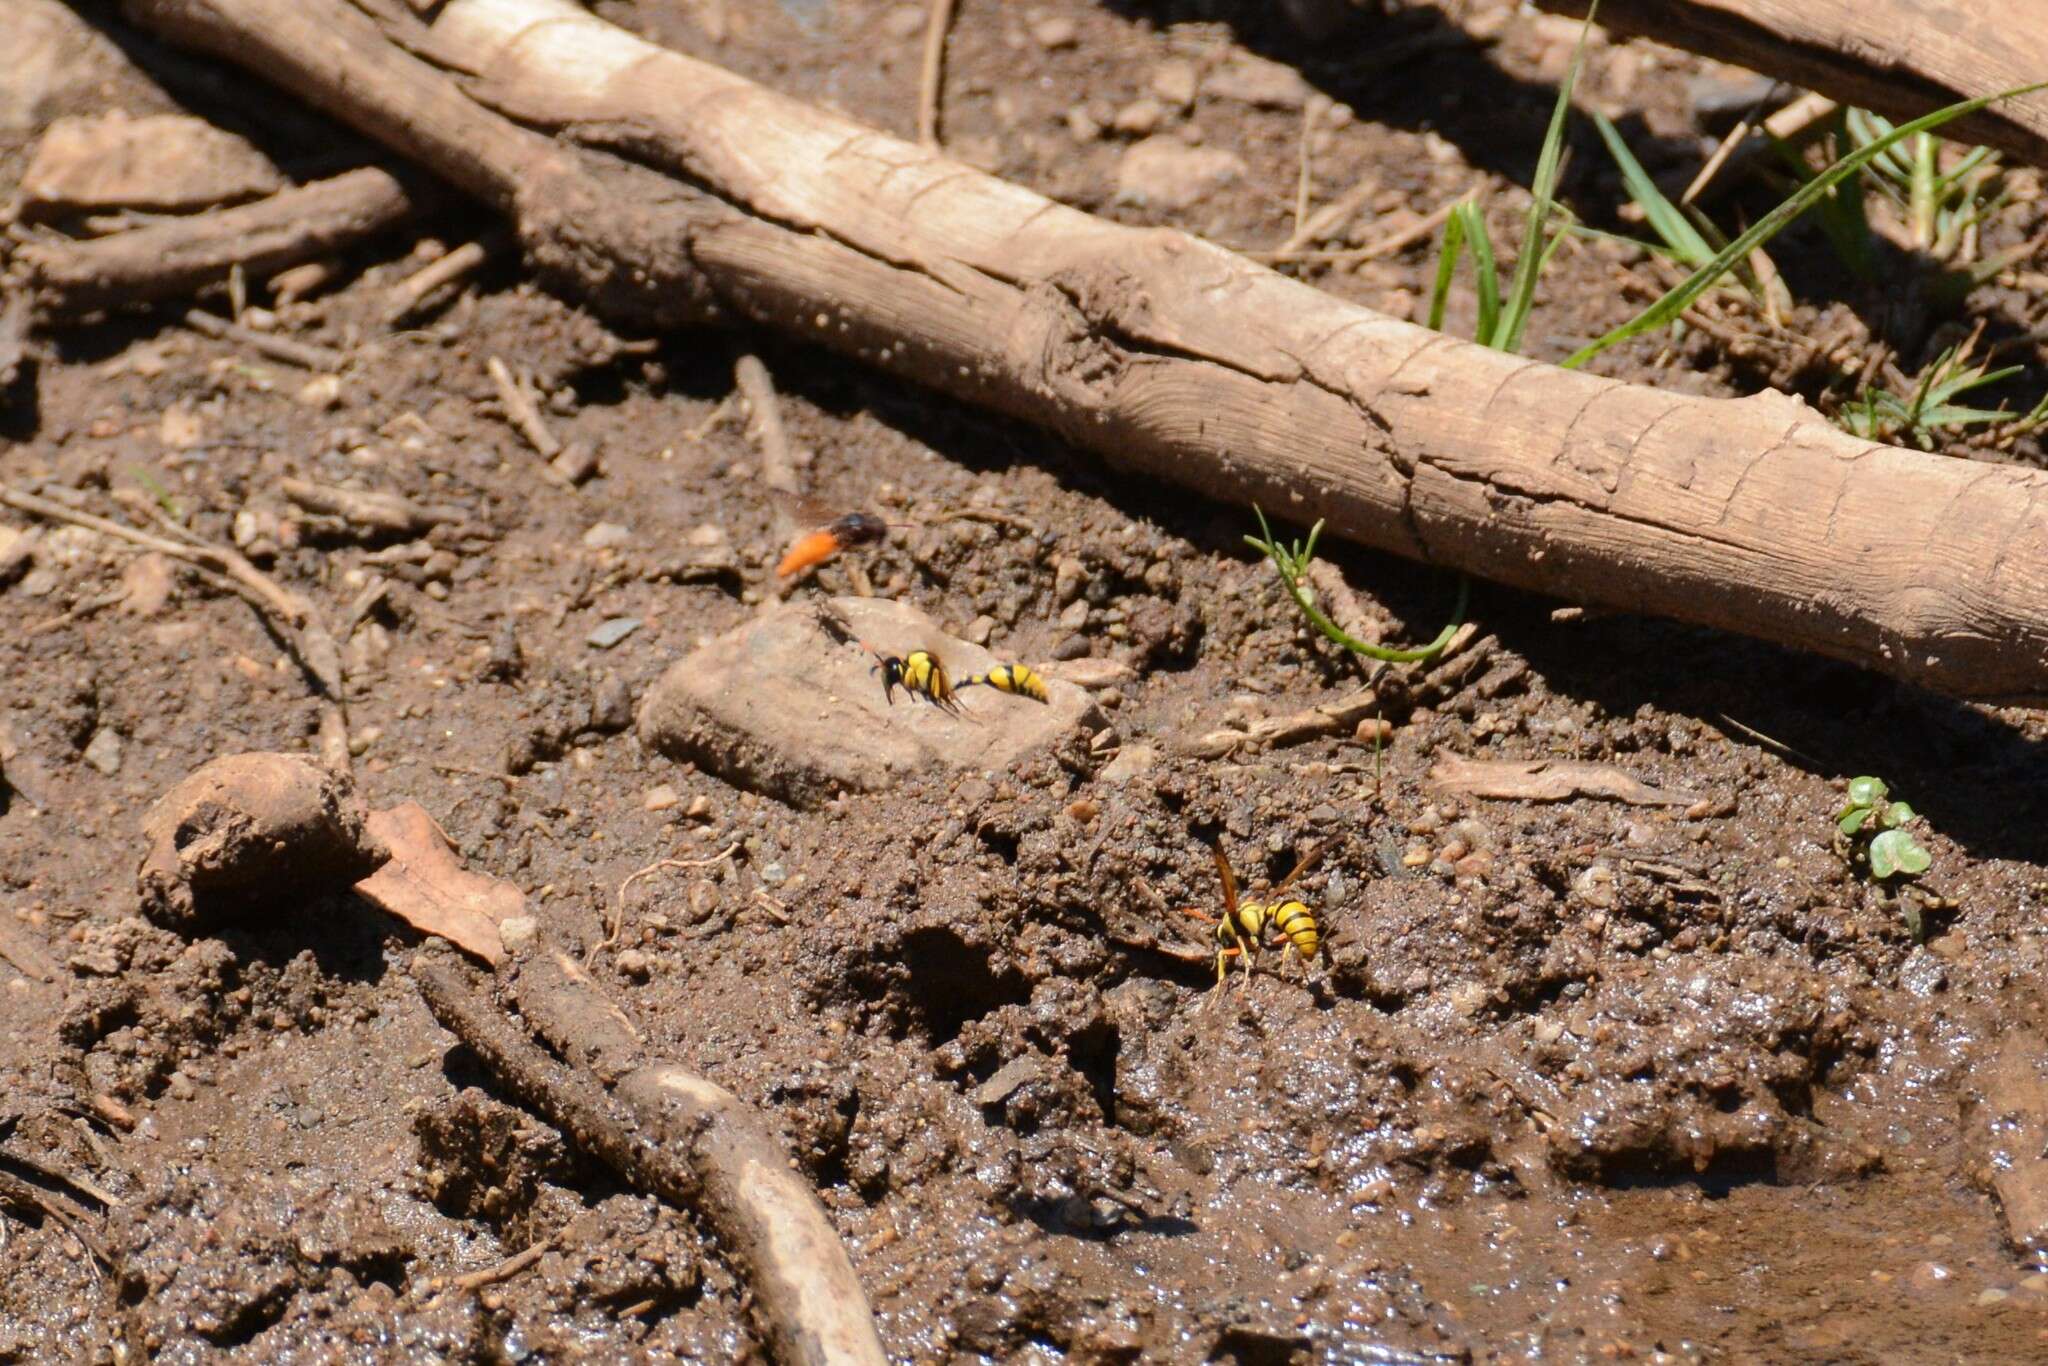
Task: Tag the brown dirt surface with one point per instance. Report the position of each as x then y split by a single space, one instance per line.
1575 1078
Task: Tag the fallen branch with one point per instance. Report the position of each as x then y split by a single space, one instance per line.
1897 58
675 1135
415 289
291 613
1172 357
778 466
305 355
182 256
366 510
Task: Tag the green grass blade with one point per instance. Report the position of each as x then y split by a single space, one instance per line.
1543 193
1446 267
1680 296
1663 216
1487 273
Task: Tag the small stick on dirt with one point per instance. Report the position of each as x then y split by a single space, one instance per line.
368 511
1372 251
523 413
932 77
408 294
18 1194
83 609
185 254
503 1271
616 922
1792 125
778 464
670 1132
306 355
298 623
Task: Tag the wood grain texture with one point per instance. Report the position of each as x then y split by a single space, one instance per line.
1902 58
1170 356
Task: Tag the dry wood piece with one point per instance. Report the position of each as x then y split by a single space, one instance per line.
365 509
678 1136
180 257
521 410
1898 57
417 288
778 466
1548 780
931 80
305 355
292 613
1174 358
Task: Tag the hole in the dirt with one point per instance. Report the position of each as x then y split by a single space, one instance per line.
1002 843
951 982
1726 1173
1248 1346
1093 1052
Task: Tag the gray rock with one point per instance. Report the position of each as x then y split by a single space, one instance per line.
780 707
103 751
611 631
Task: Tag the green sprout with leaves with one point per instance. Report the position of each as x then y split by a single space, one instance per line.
1929 407
1940 206
1291 562
1873 829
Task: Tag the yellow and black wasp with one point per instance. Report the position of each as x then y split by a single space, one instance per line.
1240 933
1020 680
918 673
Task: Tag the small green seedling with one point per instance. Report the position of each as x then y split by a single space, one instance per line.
1291 562
1874 826
1928 409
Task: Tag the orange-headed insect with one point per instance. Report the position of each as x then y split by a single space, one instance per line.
822 544
1239 934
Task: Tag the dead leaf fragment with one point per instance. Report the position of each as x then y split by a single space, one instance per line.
427 887
1548 780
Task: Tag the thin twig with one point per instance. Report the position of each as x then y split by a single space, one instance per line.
617 920
933 74
1386 246
503 1271
521 411
408 294
83 609
292 613
323 359
778 464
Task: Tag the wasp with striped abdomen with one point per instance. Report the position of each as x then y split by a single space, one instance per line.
920 674
1240 933
1019 680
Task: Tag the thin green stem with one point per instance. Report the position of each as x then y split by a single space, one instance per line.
1292 563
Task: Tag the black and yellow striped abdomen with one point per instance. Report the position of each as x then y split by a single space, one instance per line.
1297 925
1019 680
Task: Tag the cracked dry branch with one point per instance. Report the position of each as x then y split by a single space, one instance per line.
673 191
669 1132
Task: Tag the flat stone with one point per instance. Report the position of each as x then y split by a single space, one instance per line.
1165 173
778 706
1258 81
159 161
103 751
611 632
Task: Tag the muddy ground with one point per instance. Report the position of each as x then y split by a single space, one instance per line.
1576 1080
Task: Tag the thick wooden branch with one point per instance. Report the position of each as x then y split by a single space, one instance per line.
1902 58
1173 357
180 256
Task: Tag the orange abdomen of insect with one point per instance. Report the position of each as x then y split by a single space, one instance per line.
1298 927
813 547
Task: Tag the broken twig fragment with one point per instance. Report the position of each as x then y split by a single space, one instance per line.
670 1132
1549 780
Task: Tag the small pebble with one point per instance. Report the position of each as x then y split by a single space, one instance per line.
699 808
610 632
1176 82
1139 117
103 751
980 629
635 964
660 797
607 535
1056 32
